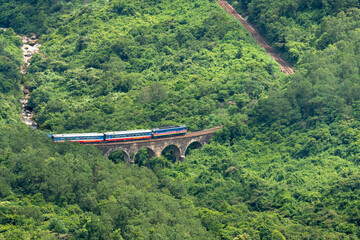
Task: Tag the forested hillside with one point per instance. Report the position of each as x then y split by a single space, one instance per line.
284 166
135 64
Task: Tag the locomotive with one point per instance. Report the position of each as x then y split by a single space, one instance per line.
141 134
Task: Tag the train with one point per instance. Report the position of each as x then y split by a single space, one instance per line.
131 135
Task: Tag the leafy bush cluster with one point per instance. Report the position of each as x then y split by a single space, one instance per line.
35 16
10 61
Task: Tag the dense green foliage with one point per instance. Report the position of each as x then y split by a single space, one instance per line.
322 39
284 166
35 16
49 189
300 27
10 61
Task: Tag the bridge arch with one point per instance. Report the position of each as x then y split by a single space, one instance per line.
174 150
139 155
193 144
126 154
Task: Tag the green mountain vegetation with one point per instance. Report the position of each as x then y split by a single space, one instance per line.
10 61
284 166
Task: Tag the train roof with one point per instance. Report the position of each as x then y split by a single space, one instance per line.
129 132
79 135
177 126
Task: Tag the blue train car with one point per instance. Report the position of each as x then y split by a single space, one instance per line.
127 135
169 131
78 137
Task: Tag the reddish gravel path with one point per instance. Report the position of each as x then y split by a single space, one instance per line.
285 66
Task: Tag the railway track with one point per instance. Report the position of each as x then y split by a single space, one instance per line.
284 65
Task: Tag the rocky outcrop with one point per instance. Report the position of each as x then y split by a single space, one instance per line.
29 48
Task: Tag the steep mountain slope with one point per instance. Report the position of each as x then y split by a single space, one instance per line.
284 166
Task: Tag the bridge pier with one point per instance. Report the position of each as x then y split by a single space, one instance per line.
176 152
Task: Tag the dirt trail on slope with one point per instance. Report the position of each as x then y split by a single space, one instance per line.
284 65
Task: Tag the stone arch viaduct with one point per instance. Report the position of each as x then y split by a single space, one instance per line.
156 146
